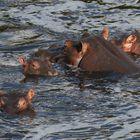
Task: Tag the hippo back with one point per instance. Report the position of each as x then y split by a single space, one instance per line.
103 56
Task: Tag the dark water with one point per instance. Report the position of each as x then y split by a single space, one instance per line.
67 107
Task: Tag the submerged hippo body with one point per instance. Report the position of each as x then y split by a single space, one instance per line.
37 66
96 54
14 103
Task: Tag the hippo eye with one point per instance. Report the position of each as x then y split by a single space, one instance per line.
35 65
65 50
23 66
65 47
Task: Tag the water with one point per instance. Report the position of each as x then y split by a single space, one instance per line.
67 107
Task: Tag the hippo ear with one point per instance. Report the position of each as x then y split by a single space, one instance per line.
105 33
30 94
68 43
22 60
84 47
35 65
131 39
85 35
2 102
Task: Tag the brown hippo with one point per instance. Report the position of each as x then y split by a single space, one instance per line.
37 66
129 43
45 54
14 103
96 54
54 54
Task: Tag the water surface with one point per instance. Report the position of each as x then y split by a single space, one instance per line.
67 107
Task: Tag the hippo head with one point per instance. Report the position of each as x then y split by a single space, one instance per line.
36 66
15 102
96 54
74 51
129 43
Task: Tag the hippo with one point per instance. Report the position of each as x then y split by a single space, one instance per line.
37 66
129 44
54 54
14 103
96 54
45 54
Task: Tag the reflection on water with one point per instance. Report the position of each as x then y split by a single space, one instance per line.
68 106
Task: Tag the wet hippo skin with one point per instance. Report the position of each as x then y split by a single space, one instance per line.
37 66
44 54
129 43
14 103
96 54
54 55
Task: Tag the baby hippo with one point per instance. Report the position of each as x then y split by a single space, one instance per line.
129 44
37 66
14 103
